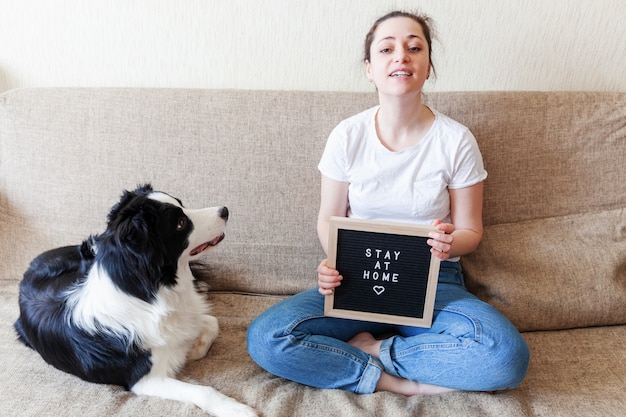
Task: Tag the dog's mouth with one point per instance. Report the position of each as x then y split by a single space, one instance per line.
207 245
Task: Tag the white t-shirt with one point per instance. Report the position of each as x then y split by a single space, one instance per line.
407 186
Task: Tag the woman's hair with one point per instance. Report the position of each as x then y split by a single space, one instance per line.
424 21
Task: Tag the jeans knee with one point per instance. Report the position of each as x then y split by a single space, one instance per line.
259 341
513 366
522 362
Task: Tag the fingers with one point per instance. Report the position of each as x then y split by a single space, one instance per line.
327 278
441 241
327 288
443 227
442 255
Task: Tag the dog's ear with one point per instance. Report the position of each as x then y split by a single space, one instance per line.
126 198
132 230
131 256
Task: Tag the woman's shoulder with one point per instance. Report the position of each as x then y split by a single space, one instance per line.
448 122
363 118
355 127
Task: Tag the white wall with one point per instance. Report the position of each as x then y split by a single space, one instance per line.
306 45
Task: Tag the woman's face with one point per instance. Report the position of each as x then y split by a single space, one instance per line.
399 57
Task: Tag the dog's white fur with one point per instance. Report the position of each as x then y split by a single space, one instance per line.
175 327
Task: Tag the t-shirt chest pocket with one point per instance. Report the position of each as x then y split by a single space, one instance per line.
430 199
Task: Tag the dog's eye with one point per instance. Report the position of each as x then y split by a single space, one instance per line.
182 223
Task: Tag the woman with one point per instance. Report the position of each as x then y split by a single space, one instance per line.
399 161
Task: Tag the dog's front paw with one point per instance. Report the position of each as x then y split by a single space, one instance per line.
206 338
234 408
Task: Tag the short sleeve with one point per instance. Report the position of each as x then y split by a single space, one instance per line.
333 161
468 169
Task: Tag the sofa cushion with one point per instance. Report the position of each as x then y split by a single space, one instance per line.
572 373
555 273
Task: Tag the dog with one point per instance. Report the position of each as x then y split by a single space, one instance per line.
121 308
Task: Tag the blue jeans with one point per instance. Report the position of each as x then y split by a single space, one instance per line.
470 346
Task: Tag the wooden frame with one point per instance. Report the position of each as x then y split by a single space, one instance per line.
389 274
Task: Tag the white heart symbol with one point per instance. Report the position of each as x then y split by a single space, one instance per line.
378 289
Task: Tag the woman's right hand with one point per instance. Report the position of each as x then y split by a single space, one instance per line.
327 278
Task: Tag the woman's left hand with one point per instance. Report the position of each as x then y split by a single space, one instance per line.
441 240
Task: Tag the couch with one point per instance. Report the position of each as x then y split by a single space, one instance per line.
553 256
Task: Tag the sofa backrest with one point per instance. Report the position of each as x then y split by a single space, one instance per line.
66 154
547 154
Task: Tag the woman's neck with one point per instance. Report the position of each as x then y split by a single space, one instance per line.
401 124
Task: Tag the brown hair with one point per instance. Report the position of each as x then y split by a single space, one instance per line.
424 21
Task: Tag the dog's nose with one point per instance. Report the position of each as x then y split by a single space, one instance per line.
224 213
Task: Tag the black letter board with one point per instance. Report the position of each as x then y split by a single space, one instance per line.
389 274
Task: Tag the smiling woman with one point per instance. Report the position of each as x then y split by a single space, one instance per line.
425 27
399 63
376 165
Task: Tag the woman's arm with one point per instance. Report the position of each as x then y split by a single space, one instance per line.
463 235
333 202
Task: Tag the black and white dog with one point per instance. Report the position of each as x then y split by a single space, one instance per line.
122 308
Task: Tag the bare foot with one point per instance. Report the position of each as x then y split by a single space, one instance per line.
367 343
370 345
409 388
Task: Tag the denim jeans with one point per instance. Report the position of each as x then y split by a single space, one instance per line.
470 346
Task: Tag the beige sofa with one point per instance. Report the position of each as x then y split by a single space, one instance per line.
553 257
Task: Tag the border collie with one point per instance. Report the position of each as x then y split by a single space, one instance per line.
122 308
